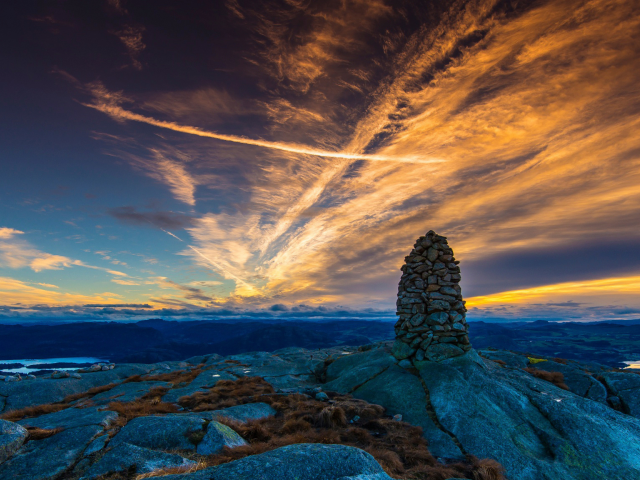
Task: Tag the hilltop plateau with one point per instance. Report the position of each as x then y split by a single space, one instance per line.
331 413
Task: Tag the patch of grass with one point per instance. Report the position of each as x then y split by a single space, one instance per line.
89 393
533 360
236 362
398 446
179 377
499 362
36 411
149 404
562 361
132 379
42 433
172 471
554 377
227 393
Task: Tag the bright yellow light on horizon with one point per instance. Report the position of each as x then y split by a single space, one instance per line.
623 285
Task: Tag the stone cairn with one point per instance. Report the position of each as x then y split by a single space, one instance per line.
432 324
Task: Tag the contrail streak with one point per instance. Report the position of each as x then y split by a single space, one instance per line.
117 112
169 233
237 279
214 264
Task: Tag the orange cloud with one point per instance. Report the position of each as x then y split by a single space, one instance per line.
17 253
117 112
536 114
16 292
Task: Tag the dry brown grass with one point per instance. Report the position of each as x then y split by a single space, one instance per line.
36 411
554 377
397 446
499 362
559 360
227 393
149 404
172 471
179 377
89 393
236 362
42 433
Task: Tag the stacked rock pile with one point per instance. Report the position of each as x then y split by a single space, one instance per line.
432 324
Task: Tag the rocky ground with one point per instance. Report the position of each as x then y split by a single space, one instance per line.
539 418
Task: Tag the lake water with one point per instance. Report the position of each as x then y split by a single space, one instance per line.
31 364
633 364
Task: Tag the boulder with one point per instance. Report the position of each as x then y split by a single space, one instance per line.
71 418
49 458
402 350
626 386
442 351
242 413
12 436
349 371
217 437
97 445
295 462
159 432
239 413
533 428
125 455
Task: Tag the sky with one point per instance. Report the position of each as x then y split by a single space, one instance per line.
198 158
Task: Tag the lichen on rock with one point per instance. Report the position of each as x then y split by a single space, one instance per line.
432 314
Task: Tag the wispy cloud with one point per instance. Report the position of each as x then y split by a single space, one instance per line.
106 105
18 253
7 233
131 38
17 292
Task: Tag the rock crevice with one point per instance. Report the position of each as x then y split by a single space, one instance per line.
434 417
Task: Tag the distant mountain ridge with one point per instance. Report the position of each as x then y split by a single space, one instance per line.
156 340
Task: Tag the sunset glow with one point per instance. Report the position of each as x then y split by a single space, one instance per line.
290 155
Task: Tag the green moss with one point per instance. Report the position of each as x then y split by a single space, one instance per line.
533 360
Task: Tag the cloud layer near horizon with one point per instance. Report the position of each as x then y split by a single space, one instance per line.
530 111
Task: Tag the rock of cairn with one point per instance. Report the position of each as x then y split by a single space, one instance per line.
432 324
